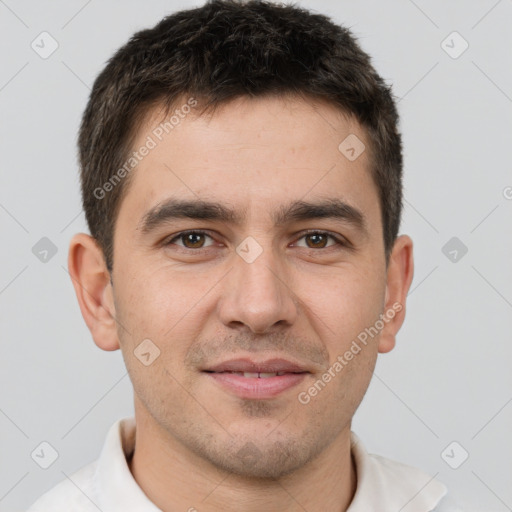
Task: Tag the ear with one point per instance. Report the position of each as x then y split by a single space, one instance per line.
399 277
91 280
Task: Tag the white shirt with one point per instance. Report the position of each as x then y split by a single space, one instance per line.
108 485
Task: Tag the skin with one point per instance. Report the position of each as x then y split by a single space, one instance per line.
202 303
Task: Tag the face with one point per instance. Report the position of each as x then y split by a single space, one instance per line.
250 300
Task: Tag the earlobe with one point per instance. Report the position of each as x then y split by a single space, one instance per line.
93 289
399 277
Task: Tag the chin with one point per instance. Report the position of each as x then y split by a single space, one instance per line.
261 458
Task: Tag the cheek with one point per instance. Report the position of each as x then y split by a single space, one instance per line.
343 301
152 329
162 305
340 394
145 293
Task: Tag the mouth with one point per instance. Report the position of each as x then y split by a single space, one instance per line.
257 375
251 379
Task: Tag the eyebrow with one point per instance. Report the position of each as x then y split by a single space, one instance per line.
173 209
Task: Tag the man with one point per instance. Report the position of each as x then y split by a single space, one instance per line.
241 178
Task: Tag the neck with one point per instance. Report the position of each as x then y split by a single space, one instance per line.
174 478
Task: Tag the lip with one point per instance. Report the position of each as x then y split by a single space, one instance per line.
250 365
257 387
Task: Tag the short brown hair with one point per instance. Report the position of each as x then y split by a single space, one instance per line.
216 53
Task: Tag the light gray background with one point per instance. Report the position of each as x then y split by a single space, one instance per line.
449 377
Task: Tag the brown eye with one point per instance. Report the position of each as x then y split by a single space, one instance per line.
317 240
321 240
190 240
193 240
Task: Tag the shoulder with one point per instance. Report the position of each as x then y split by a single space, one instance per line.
382 481
105 481
74 493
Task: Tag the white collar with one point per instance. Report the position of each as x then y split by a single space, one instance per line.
383 484
116 488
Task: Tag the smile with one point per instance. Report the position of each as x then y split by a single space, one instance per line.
257 375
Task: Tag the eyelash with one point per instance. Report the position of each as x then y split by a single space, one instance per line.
339 241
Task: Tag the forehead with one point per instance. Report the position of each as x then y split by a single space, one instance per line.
251 151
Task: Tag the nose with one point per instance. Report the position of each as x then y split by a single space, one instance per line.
258 295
